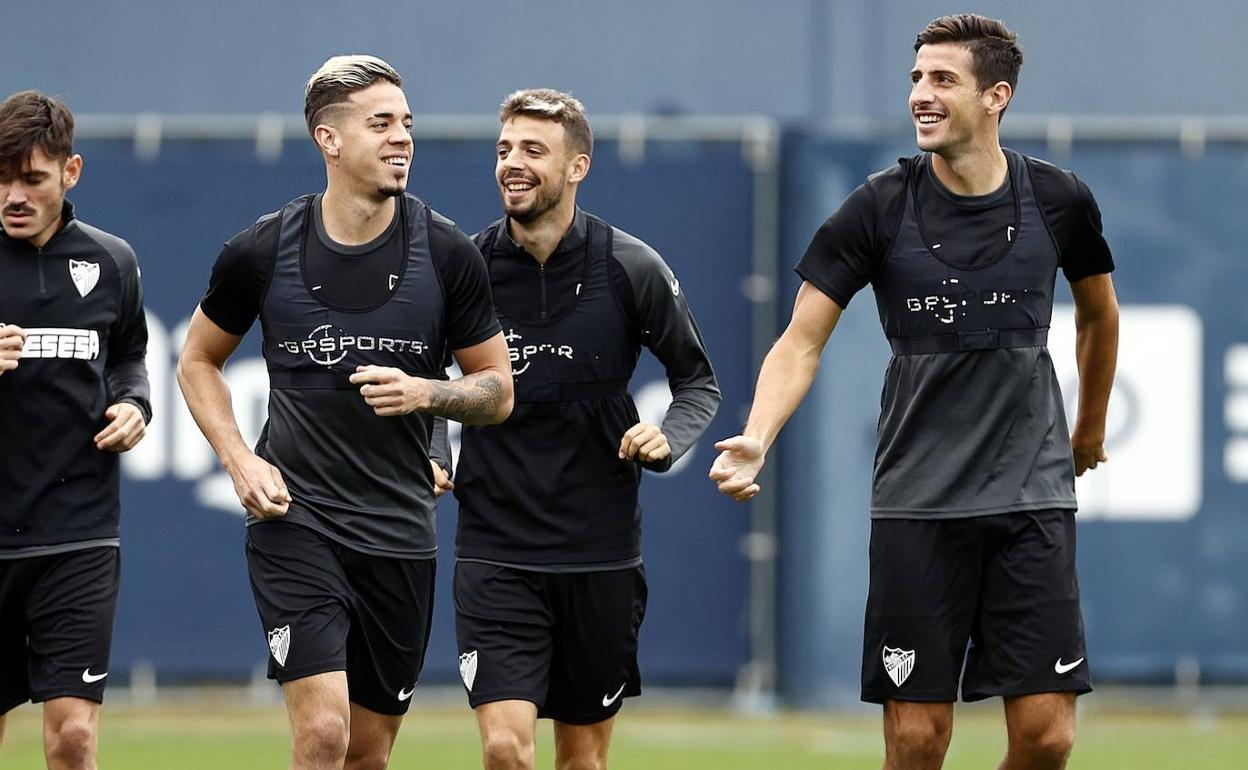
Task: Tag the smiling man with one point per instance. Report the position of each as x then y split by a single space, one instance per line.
362 291
973 501
73 395
549 586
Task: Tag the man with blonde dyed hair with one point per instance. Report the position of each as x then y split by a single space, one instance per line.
549 586
362 291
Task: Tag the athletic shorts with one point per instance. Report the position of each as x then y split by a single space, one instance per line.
564 641
1005 584
56 625
325 607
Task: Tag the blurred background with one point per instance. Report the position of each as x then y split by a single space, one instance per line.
726 135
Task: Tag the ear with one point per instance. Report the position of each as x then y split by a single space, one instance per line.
327 138
580 168
72 171
997 97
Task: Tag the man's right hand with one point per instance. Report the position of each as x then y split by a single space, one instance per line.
12 338
740 459
259 487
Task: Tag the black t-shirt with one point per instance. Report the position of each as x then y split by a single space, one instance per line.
357 478
965 431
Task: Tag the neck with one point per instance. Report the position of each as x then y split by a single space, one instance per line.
976 170
541 237
40 240
352 219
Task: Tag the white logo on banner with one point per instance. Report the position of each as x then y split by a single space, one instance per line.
1153 432
279 644
898 663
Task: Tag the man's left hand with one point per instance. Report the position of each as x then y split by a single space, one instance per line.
1089 450
124 430
389 391
644 442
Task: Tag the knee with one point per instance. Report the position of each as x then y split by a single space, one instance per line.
921 734
71 743
323 737
1050 742
374 758
506 750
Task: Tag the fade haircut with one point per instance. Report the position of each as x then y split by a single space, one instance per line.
995 55
28 119
338 78
557 106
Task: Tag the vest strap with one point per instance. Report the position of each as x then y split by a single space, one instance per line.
983 339
553 392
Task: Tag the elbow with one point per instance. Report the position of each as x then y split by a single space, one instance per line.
506 401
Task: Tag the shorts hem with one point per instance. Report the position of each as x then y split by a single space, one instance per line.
481 699
874 696
6 706
1078 688
47 695
289 675
396 710
584 718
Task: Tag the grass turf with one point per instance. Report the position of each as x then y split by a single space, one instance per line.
213 735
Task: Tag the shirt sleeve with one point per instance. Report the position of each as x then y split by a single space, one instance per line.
470 316
240 277
1075 221
842 256
440 445
668 330
126 370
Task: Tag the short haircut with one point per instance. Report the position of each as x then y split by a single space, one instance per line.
995 55
338 78
29 119
557 106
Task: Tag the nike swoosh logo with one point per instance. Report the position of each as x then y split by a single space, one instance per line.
405 694
607 701
1063 668
90 678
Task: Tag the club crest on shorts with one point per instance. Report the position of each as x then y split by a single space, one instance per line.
898 663
468 668
279 644
85 275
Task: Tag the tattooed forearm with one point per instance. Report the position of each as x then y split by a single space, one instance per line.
474 399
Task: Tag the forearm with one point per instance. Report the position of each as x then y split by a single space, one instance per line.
480 398
208 397
1096 351
786 376
693 406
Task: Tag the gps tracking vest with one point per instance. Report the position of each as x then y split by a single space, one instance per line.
308 344
930 305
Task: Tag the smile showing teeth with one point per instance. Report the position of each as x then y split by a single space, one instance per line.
396 162
518 186
929 119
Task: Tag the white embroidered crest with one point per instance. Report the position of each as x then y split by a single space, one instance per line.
898 663
279 644
85 276
468 668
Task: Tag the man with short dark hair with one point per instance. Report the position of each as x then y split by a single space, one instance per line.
73 395
549 586
973 529
362 292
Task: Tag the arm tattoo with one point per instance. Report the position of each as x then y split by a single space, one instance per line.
472 399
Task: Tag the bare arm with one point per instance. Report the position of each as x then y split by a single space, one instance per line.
259 485
482 396
1096 350
786 376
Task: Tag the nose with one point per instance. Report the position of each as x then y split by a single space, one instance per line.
920 93
14 192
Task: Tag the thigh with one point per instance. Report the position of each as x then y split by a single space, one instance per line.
70 614
598 617
392 609
1029 634
504 629
302 598
920 606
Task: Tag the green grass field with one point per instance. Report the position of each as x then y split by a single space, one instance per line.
215 736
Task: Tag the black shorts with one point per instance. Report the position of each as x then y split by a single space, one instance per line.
56 625
1006 584
565 641
325 607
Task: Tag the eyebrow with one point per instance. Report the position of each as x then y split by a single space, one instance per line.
523 143
389 115
920 73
